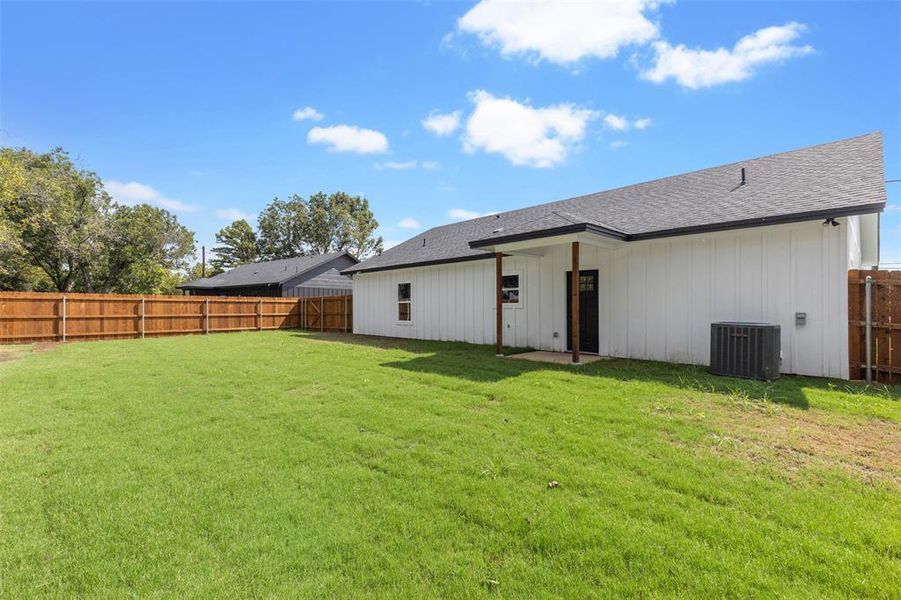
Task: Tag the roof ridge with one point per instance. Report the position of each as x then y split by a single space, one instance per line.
664 178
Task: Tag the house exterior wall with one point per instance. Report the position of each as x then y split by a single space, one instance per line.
657 297
315 292
263 291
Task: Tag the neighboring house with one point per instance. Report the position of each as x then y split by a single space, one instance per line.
768 240
303 276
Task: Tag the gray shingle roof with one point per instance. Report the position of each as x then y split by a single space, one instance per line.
331 279
264 273
838 178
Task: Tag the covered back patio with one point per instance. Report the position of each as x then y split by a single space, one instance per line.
582 286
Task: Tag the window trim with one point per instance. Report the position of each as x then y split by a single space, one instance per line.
398 302
521 281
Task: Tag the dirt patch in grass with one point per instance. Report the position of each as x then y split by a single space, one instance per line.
18 352
11 353
793 439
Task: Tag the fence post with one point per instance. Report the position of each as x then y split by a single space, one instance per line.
63 328
868 327
143 311
260 316
206 316
321 313
345 314
303 310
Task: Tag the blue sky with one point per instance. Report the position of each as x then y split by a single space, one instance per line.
200 107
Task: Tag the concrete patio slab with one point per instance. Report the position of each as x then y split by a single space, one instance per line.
557 358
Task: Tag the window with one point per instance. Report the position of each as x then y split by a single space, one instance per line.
586 283
510 289
404 302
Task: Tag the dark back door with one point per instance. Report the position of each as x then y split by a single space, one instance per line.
588 311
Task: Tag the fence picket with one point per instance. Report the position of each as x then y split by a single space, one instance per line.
886 326
27 317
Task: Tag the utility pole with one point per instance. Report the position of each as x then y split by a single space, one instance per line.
203 261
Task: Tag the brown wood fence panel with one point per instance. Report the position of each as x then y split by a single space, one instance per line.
886 315
27 317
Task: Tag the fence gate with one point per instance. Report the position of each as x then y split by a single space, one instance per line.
885 326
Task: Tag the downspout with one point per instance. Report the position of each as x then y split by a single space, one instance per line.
868 327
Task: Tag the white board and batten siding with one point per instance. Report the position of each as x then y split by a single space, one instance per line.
657 297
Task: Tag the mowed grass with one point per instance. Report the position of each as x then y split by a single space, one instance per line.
286 464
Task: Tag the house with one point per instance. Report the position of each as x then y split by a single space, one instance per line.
769 239
302 276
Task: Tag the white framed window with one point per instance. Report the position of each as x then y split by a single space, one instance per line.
405 303
511 290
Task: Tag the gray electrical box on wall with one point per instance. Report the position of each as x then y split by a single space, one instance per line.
800 319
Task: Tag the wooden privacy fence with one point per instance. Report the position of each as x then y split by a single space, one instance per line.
38 317
885 327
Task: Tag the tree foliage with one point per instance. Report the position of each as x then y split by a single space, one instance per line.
283 227
143 247
322 223
59 228
236 245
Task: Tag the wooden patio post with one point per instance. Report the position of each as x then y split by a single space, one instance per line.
499 302
574 334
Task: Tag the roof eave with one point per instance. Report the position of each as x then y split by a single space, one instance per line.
847 211
185 286
828 213
549 232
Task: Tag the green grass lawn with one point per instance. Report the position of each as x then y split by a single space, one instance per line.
285 464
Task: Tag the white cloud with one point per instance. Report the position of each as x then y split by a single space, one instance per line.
695 68
397 166
893 207
442 124
642 123
535 137
133 193
619 123
349 138
386 244
233 214
302 114
409 223
407 165
617 144
561 32
462 214
616 123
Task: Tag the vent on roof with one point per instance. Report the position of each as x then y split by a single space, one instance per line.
743 180
498 230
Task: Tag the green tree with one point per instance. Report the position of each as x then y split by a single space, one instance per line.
323 223
358 227
282 228
143 246
55 212
59 229
237 245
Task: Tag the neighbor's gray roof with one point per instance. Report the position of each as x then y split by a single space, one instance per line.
270 272
834 179
331 279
